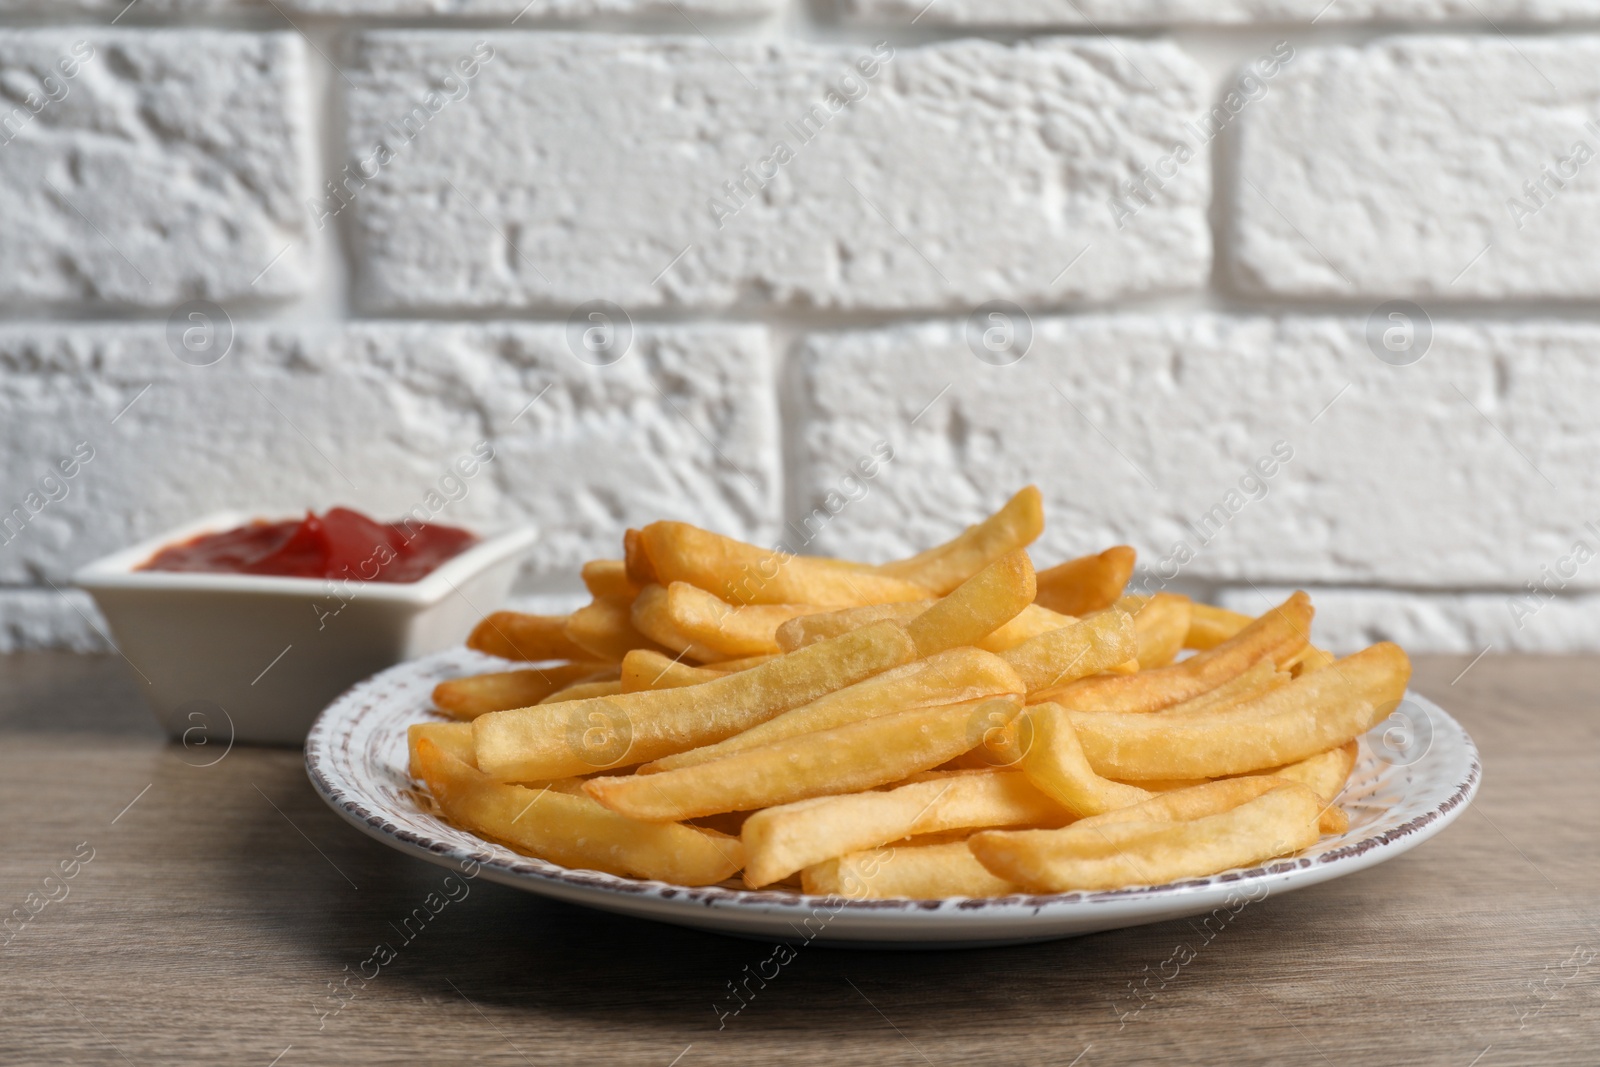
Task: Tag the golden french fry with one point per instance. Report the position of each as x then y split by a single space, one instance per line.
1259 679
467 698
1090 583
1188 834
643 670
1325 775
688 619
573 830
960 675
636 561
608 578
912 872
1078 650
1279 633
1162 623
1056 765
1186 805
1030 623
977 607
579 737
1163 785
809 629
846 759
604 629
453 737
745 574
584 691
731 666
1015 526
1001 746
1209 626
1311 658
650 617
1311 714
779 841
515 635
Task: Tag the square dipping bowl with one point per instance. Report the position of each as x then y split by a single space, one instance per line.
253 658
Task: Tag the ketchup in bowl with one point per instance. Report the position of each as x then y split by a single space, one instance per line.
340 544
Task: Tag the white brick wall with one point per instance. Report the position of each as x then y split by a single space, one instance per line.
1459 154
1144 13
821 220
673 171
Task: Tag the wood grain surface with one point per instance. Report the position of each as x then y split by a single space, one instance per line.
223 904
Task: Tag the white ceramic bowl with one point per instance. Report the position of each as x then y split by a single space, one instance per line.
254 658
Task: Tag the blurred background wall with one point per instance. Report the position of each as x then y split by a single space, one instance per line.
1277 292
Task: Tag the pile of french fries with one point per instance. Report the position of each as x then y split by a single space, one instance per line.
952 724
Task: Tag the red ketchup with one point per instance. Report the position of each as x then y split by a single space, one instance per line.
340 544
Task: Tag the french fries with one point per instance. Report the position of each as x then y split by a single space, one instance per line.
917 872
1311 658
643 669
744 574
809 629
608 579
1054 762
1161 623
1030 623
454 738
1258 679
604 630
781 840
1312 714
1210 626
1324 774
636 561
951 724
977 607
514 635
941 569
961 675
610 687
581 736
687 619
1091 583
467 698
573 830
1280 633
1075 651
862 755
1187 834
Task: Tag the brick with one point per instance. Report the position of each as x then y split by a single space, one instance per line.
584 166
169 166
525 12
33 619
372 416
1469 469
1464 623
1397 169
1225 12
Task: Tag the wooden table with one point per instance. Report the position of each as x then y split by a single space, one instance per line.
221 903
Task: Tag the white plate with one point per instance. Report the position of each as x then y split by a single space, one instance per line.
356 757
